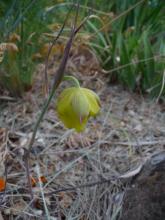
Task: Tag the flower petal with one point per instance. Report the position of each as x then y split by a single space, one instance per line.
93 101
70 109
80 105
75 105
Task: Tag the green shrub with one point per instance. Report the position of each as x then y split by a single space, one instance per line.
21 23
132 47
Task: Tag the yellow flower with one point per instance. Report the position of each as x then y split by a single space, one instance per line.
75 105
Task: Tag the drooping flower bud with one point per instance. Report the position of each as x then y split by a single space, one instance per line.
75 105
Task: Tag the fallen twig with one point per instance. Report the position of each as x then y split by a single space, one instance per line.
7 98
134 144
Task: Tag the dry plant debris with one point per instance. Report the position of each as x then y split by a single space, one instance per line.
129 130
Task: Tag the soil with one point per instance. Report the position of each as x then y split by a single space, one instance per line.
145 198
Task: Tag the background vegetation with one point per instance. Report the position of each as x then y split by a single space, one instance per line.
127 37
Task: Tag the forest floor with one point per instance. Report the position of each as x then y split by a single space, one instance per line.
80 174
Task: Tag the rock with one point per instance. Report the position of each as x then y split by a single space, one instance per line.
145 198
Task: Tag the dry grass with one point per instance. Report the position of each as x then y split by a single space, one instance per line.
129 129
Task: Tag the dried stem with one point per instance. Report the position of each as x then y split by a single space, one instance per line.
58 76
26 161
72 188
50 49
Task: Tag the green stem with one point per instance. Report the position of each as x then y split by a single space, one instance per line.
40 118
57 78
76 82
73 79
